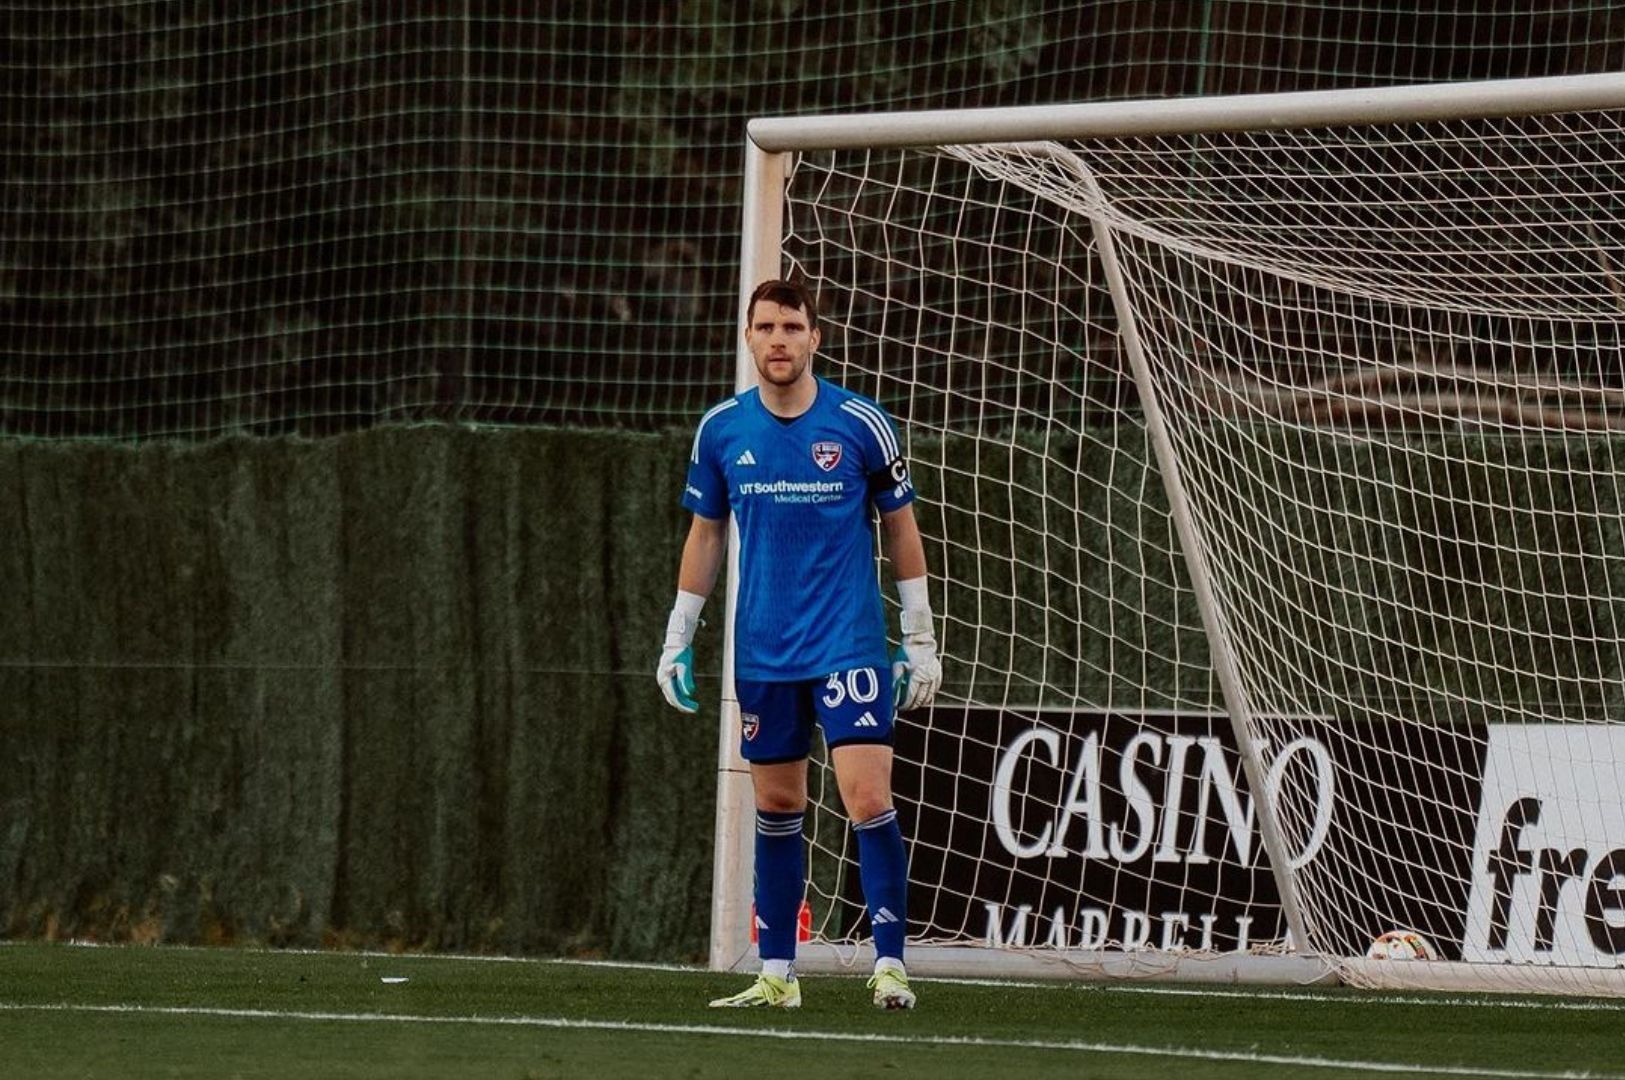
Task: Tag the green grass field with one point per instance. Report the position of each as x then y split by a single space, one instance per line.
78 1012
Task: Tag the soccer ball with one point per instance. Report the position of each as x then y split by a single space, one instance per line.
1402 945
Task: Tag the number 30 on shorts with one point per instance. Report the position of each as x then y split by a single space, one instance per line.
860 686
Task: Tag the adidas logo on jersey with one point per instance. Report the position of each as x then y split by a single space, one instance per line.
747 458
866 720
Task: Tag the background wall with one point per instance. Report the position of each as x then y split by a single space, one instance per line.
389 688
393 688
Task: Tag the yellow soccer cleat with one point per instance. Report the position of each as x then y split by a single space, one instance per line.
770 991
891 989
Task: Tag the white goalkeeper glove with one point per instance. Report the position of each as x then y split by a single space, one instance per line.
675 672
916 672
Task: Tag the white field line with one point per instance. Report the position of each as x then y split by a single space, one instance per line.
706 1030
1073 986
1486 1001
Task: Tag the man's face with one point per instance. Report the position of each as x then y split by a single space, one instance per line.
781 341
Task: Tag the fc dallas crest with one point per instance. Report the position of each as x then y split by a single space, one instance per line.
826 454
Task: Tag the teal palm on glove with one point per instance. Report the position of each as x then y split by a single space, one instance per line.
676 675
675 671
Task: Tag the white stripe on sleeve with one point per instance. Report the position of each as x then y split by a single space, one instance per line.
875 420
694 451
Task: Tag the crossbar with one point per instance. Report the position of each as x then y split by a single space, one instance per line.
1189 116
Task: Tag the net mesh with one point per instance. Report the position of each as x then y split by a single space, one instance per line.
1388 363
310 216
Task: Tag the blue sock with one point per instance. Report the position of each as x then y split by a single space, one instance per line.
883 870
781 880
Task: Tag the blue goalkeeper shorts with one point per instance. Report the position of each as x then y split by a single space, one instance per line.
776 719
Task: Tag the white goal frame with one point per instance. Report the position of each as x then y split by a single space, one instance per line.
770 151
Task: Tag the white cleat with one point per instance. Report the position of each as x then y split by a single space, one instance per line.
767 990
891 990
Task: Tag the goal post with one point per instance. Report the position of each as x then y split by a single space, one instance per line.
1268 450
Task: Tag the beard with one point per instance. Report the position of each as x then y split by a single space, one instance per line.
781 373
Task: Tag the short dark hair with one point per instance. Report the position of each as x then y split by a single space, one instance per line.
790 294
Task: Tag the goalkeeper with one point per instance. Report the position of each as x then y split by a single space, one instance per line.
798 461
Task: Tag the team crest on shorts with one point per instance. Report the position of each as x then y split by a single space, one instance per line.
749 723
826 454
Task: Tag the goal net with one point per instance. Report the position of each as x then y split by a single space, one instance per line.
1270 470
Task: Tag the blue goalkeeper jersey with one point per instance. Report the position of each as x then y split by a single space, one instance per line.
800 492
